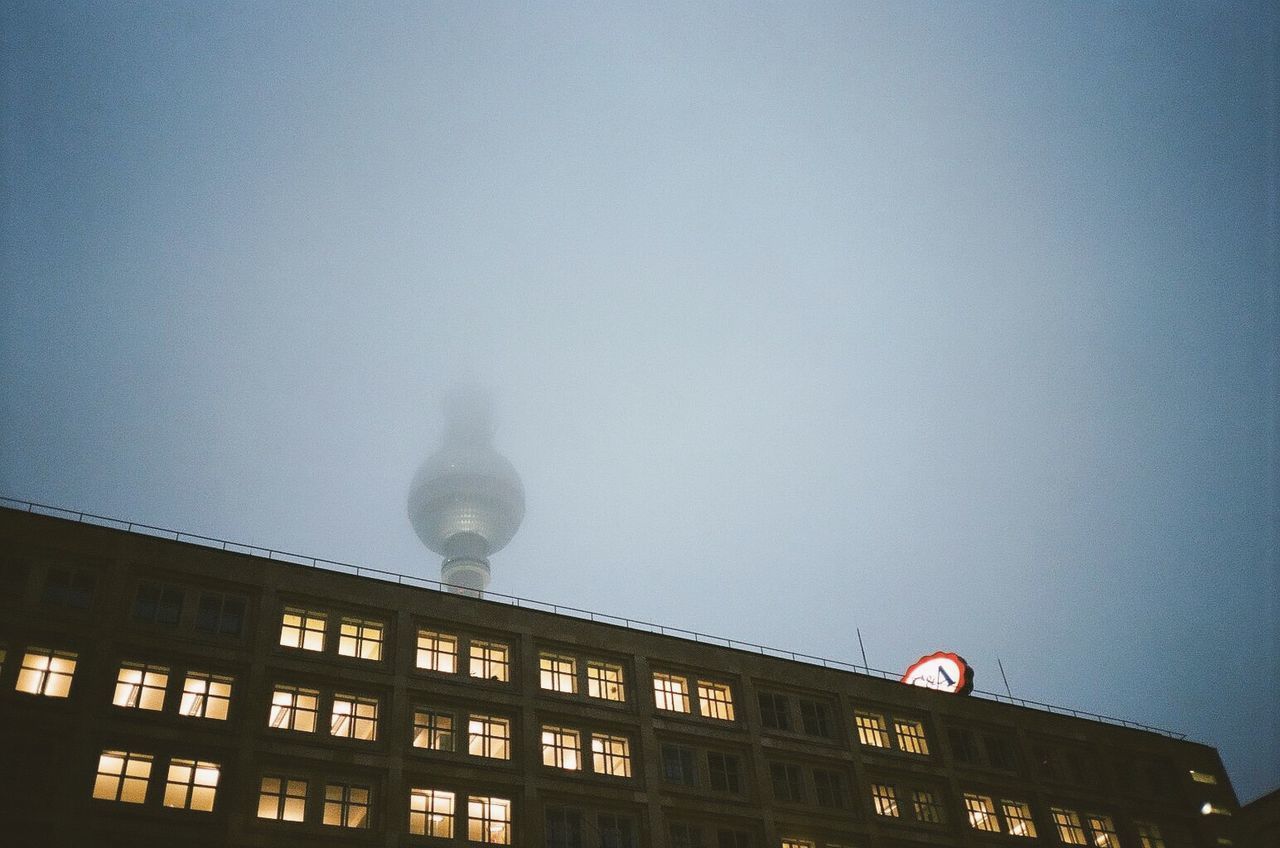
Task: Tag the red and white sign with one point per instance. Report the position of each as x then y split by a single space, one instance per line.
942 671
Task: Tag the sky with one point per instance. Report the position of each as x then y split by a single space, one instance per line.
954 324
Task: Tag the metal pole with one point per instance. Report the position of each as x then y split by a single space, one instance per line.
1002 675
862 648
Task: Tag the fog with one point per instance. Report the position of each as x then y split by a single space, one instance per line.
955 324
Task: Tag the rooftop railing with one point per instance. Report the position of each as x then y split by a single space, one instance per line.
529 603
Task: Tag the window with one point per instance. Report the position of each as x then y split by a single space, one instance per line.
431 812
963 746
205 695
926 806
563 827
191 785
910 736
432 730
828 787
1103 831
122 776
982 813
488 736
220 614
684 835
437 651
1001 753
46 672
282 799
141 686
871 729
616 831
302 629
610 755
293 708
788 783
1017 816
346 805
733 839
1148 835
361 639
773 711
723 771
1070 832
157 603
677 765
560 748
670 692
788 842
557 673
489 820
884 800
815 718
715 700
69 587
489 661
1204 777
604 681
354 717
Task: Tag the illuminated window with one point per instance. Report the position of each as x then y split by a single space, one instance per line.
560 748
1070 831
677 764
910 736
773 711
157 603
346 805
815 718
489 660
982 812
431 812
828 787
926 806
220 614
302 629
293 708
788 782
1148 835
205 695
141 686
724 772
557 673
488 736
122 776
489 820
69 587
46 672
671 692
1204 777
871 729
432 730
1103 831
437 651
191 785
604 680
1017 816
610 755
362 639
715 700
884 799
788 842
354 717
282 799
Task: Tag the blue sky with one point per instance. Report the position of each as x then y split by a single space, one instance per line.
955 323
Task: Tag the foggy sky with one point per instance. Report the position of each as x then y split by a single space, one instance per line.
955 323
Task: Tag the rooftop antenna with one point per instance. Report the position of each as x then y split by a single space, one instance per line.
862 648
1002 676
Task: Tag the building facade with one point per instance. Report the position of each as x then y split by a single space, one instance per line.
160 692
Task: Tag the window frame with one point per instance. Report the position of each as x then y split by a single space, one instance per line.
426 720
359 717
487 739
484 823
671 693
293 709
435 651
485 656
561 748
433 820
872 726
148 692
715 700
282 797
980 812
345 804
190 789
308 634
602 686
367 632
123 779
884 800
59 669
206 698
557 673
1018 819
608 752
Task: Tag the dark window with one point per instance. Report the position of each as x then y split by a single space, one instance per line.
829 788
962 745
677 765
685 835
616 831
1046 761
564 828
219 613
69 587
722 771
157 603
733 839
788 784
773 711
1000 753
816 718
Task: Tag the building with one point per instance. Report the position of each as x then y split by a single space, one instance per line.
161 692
1258 822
